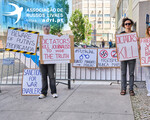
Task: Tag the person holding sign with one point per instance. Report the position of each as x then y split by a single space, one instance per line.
148 68
127 24
48 69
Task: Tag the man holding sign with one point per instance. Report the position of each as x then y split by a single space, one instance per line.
127 52
48 69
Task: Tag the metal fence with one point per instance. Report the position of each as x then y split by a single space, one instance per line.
106 74
12 65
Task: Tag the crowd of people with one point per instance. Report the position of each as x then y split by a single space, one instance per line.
49 69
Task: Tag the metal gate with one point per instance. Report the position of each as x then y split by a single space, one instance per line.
12 65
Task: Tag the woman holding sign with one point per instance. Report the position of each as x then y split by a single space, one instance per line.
148 73
127 24
48 69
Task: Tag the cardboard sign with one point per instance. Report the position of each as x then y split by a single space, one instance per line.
127 47
107 58
31 82
55 49
1 44
23 41
85 57
145 51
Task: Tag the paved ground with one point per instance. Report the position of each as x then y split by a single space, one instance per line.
141 103
82 102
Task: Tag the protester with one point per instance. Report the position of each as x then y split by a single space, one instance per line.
48 69
127 24
147 74
110 44
103 43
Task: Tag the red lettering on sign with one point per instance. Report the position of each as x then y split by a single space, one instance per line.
62 56
145 60
121 53
126 38
48 56
44 41
126 54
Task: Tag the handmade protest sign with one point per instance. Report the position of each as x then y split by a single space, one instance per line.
127 46
145 51
31 82
55 49
85 57
20 40
107 58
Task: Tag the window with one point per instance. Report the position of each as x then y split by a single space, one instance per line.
99 22
93 15
86 15
107 15
12 21
99 15
107 22
4 19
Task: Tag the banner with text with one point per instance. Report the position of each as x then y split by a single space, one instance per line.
145 51
85 57
19 40
55 49
107 58
127 46
31 82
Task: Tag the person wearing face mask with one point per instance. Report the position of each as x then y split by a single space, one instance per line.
127 24
147 73
47 69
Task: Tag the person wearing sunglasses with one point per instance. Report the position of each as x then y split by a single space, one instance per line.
127 24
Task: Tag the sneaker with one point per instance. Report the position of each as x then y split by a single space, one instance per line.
148 94
41 96
54 95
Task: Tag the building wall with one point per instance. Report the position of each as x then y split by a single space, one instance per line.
136 10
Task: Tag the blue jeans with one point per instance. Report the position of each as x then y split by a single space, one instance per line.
131 64
48 69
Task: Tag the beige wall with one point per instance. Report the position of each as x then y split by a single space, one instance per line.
144 8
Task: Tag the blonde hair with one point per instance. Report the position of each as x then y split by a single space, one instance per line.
147 31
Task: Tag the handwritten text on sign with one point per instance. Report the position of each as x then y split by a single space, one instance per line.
107 58
145 51
56 48
31 84
85 57
22 41
127 47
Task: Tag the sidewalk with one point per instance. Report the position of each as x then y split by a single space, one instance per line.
82 102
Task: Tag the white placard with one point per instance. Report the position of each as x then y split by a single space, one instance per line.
21 41
145 51
107 58
85 57
54 49
31 83
127 47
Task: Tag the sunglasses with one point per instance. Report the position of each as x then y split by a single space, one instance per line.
128 24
